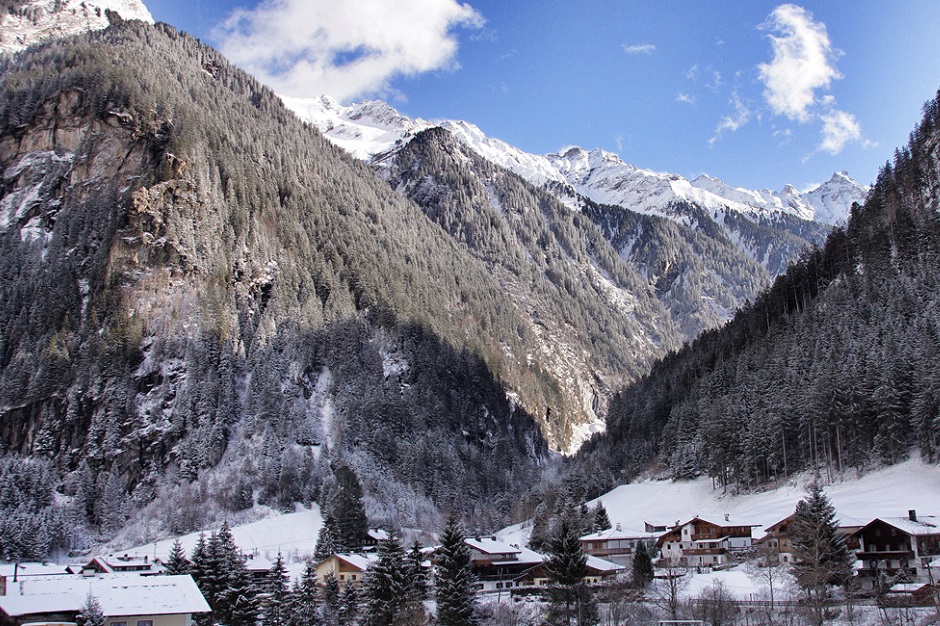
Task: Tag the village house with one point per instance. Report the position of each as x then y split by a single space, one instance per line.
616 544
125 600
347 568
777 539
702 543
898 547
125 564
498 566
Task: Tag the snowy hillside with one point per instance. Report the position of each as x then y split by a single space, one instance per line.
371 129
891 491
33 21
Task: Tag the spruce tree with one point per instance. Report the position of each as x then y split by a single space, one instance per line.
385 585
454 578
91 613
642 564
416 575
570 600
601 519
332 600
352 526
326 539
304 598
176 562
349 608
277 613
820 555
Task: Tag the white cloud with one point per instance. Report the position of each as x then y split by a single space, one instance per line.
740 117
803 62
640 48
305 48
839 128
685 98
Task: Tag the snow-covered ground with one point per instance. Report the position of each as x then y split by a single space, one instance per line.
292 534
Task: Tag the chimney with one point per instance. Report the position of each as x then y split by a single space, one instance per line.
618 527
912 515
727 516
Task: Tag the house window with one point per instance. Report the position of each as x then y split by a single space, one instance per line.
342 576
145 622
118 624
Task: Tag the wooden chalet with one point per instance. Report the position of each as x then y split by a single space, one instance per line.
498 566
703 543
347 568
898 547
616 544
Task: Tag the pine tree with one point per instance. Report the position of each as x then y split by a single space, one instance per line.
277 613
385 585
642 564
454 578
349 606
331 599
416 575
601 520
326 539
820 555
570 600
91 613
176 562
352 526
305 597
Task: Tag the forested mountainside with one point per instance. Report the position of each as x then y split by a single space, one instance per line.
202 310
834 367
598 322
707 248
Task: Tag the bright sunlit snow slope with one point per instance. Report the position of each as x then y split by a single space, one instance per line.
370 129
891 491
34 21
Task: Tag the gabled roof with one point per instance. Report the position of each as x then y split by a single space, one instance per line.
118 594
357 560
923 526
602 565
613 534
489 545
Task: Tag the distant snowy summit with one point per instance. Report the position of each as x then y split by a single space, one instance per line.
27 22
371 129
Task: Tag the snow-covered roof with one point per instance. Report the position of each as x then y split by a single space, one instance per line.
617 533
31 569
378 534
524 557
602 565
490 545
361 561
118 594
925 524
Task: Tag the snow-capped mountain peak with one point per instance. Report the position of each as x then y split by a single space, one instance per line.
27 22
371 128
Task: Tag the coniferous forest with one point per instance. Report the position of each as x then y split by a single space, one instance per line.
834 367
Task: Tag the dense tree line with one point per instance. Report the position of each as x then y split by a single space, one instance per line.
230 296
833 367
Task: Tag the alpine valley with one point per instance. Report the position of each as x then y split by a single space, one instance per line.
202 315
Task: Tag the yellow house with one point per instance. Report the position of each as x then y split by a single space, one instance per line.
347 568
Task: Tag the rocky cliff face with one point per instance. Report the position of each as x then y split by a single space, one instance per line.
236 302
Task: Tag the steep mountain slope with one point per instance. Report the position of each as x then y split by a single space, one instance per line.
217 309
833 368
27 22
732 241
598 322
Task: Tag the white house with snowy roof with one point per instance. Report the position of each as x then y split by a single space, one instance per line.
125 600
893 546
616 544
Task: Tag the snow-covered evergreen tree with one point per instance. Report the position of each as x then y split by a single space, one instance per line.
385 585
176 562
454 578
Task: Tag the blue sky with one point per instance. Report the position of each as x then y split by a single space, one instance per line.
757 93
